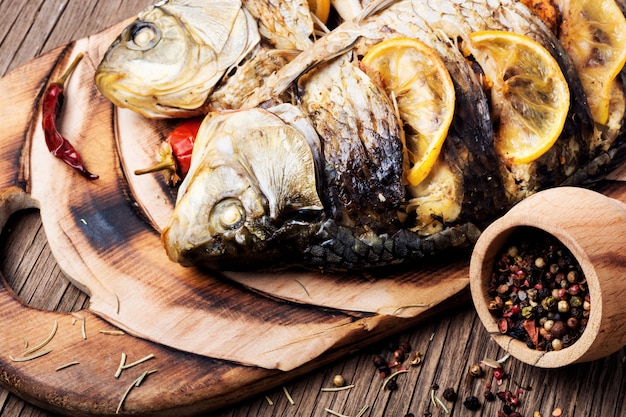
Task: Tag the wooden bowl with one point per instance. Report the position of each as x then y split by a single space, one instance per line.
593 227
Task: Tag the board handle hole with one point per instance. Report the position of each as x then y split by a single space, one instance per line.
29 268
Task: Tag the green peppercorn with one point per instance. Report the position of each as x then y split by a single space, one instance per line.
549 303
563 306
527 312
575 301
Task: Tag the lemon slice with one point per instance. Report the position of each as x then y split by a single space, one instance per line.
414 76
593 33
320 8
529 95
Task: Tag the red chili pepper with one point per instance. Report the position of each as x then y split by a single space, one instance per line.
51 107
174 155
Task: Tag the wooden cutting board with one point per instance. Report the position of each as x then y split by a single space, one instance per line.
212 339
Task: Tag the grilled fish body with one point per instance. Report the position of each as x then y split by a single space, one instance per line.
359 213
311 170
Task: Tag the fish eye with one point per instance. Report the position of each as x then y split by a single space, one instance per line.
227 214
142 36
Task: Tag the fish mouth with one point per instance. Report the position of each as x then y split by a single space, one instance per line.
107 82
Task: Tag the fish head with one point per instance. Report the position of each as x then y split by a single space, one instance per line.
251 177
167 62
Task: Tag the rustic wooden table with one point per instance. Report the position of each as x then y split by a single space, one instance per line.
450 342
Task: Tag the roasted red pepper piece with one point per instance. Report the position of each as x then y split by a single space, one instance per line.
51 107
174 155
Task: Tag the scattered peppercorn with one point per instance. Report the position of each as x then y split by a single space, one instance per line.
339 380
538 292
449 394
476 371
472 403
489 396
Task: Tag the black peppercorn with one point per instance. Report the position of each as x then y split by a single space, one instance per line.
489 396
379 361
392 385
449 394
472 403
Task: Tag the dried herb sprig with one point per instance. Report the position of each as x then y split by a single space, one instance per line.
67 365
31 357
335 413
437 402
363 410
392 376
112 332
335 389
55 326
289 398
134 384
124 366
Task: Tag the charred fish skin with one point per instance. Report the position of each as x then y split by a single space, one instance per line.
338 248
361 147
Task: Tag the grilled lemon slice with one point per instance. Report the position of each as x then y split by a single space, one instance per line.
593 33
529 95
415 77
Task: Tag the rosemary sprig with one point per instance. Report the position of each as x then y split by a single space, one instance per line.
335 413
113 332
123 364
134 384
289 398
67 365
392 376
31 357
45 342
363 410
335 389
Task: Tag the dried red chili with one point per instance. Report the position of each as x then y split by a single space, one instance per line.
51 107
174 155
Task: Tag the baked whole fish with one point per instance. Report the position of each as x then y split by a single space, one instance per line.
311 169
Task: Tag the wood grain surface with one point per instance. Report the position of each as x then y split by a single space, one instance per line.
450 341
